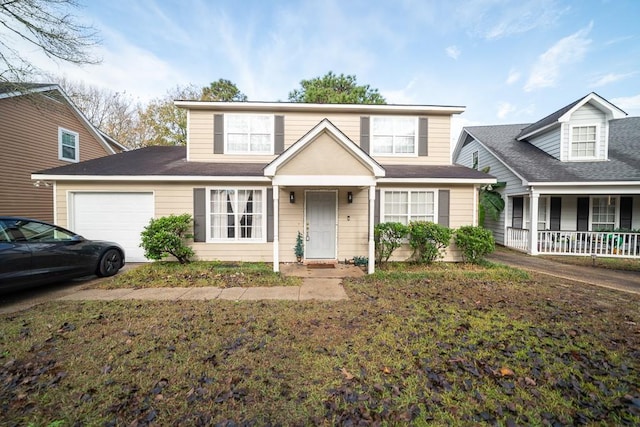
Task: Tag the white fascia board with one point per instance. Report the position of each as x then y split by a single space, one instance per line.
615 112
27 91
495 156
155 178
298 106
587 184
324 180
608 189
436 181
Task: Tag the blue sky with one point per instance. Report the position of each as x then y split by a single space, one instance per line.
506 61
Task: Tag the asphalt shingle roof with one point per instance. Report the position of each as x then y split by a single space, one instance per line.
535 165
171 161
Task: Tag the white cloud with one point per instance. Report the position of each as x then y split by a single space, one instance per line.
401 96
453 52
568 50
630 104
610 78
504 109
513 76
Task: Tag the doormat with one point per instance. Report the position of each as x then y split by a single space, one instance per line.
321 265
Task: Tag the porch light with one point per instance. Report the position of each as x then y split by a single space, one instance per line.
292 197
349 197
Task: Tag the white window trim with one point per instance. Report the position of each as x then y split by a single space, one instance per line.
60 151
597 147
237 239
432 190
415 139
271 151
616 215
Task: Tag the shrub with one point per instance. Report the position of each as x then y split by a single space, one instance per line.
428 239
475 243
387 237
165 236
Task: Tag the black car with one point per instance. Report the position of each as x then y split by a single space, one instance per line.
34 253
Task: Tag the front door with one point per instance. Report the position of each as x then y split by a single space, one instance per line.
321 225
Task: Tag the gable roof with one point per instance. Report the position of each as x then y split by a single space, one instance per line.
325 126
536 166
11 90
564 113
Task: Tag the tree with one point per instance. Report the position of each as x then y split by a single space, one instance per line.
491 201
114 113
222 90
50 27
163 123
334 89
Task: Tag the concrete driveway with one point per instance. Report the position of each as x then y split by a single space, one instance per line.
626 281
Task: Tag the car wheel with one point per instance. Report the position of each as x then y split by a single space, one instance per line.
110 263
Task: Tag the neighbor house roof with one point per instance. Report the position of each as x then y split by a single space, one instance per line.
170 163
535 165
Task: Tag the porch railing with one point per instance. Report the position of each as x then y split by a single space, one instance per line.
604 243
518 238
611 244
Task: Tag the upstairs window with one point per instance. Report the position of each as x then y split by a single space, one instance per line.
474 160
248 133
583 142
68 145
394 136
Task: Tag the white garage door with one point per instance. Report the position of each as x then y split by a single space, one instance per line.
117 217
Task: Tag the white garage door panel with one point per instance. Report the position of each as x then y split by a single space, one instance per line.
118 217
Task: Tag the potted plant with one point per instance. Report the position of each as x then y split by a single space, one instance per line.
299 248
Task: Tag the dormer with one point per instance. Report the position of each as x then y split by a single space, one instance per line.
578 132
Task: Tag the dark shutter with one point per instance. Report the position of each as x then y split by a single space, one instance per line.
270 222
218 134
626 208
278 134
443 208
376 209
199 215
423 127
555 213
517 212
583 214
364 134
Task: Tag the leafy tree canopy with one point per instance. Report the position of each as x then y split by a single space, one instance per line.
222 90
335 89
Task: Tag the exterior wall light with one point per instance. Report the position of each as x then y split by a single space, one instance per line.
292 197
349 197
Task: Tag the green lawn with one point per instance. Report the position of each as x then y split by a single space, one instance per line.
449 345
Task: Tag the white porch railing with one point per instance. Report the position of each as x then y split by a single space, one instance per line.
611 244
518 238
604 243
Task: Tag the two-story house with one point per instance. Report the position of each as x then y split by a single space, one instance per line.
572 179
255 174
41 128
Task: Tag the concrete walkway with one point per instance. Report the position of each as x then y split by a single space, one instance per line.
317 284
626 281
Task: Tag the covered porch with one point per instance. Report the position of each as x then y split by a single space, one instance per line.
580 222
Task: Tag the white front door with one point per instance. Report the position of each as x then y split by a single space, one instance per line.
321 225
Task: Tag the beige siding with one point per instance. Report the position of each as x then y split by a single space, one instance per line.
29 143
298 124
324 156
460 214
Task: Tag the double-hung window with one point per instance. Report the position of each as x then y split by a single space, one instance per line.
583 142
249 133
394 136
237 214
68 145
603 213
405 206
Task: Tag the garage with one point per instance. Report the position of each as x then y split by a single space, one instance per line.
118 217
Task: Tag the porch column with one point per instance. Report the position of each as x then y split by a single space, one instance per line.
372 253
276 228
533 223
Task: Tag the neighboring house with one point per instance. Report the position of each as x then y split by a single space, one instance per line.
255 174
573 179
41 128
